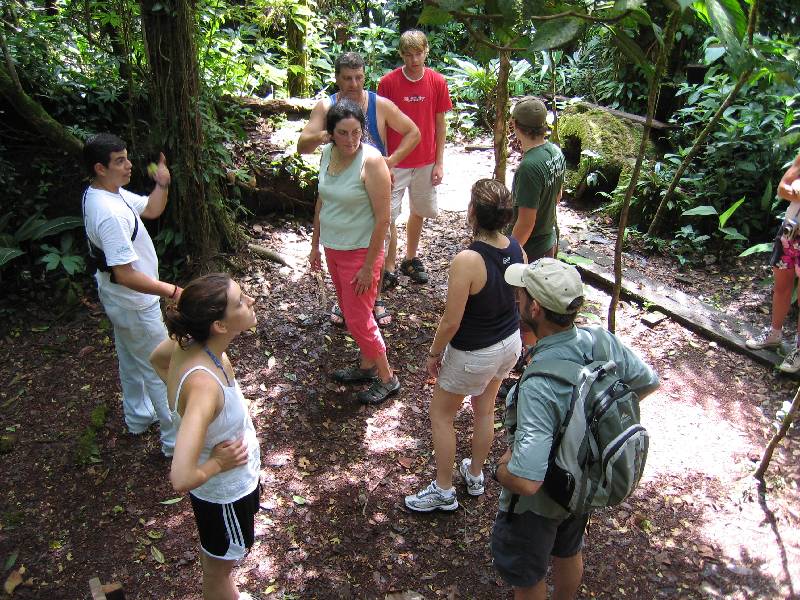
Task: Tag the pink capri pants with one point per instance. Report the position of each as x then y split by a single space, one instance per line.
357 310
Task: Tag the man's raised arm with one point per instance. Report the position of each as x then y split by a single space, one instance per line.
314 134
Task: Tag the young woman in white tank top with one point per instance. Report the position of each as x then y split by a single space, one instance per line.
217 457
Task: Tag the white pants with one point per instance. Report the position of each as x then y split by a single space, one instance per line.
144 395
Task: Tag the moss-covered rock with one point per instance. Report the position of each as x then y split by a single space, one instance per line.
596 142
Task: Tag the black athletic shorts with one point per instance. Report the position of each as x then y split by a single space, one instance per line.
522 547
226 530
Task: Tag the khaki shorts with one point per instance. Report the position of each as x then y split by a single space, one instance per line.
468 372
421 192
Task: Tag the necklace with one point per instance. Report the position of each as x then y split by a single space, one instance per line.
217 362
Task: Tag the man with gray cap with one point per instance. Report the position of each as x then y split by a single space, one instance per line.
536 187
528 531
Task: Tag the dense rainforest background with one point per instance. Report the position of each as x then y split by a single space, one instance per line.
170 75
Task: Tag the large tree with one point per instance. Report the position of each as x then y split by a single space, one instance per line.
196 196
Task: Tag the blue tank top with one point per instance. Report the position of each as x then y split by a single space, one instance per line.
491 315
371 134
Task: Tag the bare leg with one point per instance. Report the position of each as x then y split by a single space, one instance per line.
567 575
217 580
444 406
535 592
413 233
382 363
483 426
391 249
782 296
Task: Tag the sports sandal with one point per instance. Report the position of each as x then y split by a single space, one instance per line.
337 316
379 391
415 270
382 316
390 281
354 375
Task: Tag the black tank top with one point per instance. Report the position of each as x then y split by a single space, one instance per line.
491 315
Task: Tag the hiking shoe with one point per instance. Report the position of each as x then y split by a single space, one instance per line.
379 391
354 375
474 484
390 281
766 339
414 269
432 498
791 364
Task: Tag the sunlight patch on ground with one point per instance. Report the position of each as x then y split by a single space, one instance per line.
381 434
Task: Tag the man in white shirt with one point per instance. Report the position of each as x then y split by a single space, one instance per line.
122 251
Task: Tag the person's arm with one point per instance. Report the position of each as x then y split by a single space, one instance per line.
157 200
140 282
789 187
402 124
161 357
441 135
514 484
314 134
523 226
377 182
459 281
315 256
203 400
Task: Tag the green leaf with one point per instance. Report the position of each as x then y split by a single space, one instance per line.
723 218
731 233
11 560
172 500
713 53
299 500
632 50
765 247
728 21
555 33
700 210
157 555
9 254
766 197
54 226
433 15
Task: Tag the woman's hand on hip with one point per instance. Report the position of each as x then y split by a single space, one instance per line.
433 364
362 281
315 259
230 454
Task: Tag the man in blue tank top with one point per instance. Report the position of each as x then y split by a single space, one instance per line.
380 113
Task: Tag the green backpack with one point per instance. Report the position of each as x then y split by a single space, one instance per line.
600 449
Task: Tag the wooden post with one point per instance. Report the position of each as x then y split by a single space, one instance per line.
110 591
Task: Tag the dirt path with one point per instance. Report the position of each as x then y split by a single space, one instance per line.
334 473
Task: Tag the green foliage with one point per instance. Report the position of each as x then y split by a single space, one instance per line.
87 451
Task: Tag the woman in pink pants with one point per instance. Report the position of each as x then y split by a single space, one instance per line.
350 222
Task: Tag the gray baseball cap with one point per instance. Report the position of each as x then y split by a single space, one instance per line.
552 283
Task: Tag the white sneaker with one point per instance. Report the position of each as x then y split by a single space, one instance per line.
791 364
432 498
766 339
474 484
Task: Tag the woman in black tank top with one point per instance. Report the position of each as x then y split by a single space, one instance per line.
476 344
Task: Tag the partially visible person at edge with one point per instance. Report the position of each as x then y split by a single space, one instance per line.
536 188
379 114
127 276
522 542
422 94
217 456
350 221
476 345
785 263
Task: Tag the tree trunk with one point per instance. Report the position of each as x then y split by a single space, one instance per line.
790 417
500 120
655 85
297 73
56 136
196 204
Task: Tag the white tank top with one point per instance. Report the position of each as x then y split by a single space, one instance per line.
232 423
